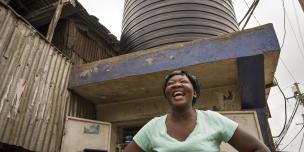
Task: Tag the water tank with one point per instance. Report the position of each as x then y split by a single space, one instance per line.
151 23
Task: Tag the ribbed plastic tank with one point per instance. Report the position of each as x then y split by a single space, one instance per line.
152 23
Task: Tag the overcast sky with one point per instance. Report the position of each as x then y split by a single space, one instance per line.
110 14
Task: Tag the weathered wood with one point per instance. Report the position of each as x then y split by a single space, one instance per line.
54 20
44 15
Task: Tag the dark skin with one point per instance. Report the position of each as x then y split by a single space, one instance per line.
182 119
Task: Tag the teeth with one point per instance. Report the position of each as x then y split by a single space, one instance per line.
177 93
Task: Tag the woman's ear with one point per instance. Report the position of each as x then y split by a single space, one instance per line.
194 95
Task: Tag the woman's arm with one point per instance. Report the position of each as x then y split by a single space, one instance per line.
242 141
132 147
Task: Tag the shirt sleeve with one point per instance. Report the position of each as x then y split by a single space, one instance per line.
143 136
227 127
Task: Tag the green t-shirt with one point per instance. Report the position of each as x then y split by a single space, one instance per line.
211 129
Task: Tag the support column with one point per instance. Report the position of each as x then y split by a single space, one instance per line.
252 91
251 81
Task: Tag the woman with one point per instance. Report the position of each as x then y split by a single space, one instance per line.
186 129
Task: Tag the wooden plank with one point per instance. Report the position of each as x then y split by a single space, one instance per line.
54 21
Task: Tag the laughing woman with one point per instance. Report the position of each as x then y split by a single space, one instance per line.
186 129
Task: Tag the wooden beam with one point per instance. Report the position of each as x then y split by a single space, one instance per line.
54 21
44 15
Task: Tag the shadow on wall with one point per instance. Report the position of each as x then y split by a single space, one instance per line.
12 148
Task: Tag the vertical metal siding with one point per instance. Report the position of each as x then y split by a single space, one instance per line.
79 43
33 92
79 107
88 46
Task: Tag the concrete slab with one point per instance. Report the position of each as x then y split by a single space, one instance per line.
139 75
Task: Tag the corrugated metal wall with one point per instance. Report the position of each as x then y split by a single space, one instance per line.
33 86
79 43
80 107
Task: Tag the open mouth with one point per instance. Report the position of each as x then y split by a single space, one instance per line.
178 93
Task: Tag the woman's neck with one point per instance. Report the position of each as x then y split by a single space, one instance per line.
185 114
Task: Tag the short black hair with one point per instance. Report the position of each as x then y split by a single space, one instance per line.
192 79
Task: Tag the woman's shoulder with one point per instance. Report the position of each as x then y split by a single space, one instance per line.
208 113
157 120
215 118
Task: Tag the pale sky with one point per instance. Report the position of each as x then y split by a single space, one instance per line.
110 14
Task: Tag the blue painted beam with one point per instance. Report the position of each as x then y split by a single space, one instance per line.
251 81
255 41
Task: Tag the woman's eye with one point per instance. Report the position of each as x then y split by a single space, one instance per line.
184 81
170 83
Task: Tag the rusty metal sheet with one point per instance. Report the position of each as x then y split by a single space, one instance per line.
33 85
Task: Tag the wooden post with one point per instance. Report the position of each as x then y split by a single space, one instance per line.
54 21
302 3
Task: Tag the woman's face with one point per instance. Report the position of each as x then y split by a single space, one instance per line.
179 91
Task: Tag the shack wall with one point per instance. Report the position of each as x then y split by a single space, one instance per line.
79 43
80 107
34 99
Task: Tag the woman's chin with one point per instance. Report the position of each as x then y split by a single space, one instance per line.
179 103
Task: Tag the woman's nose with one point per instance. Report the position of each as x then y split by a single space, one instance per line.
177 84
